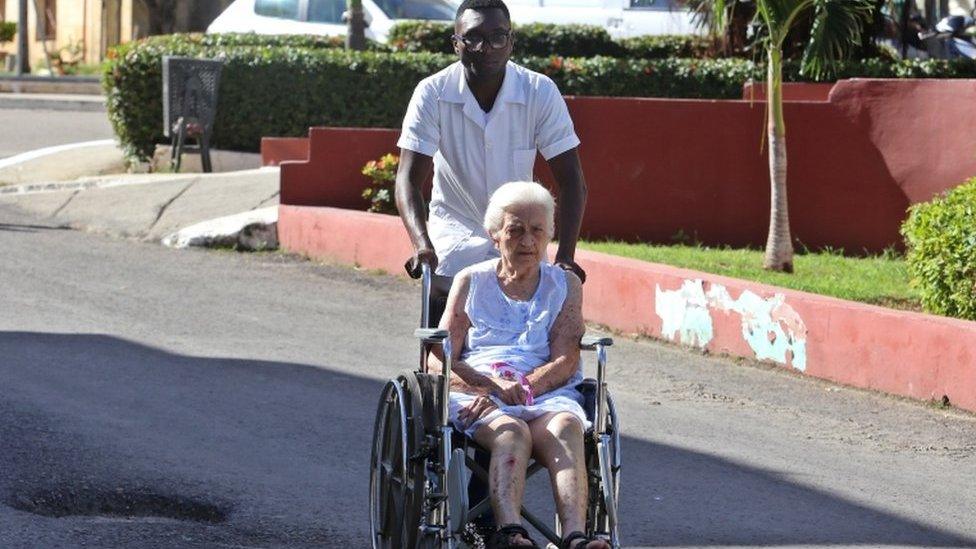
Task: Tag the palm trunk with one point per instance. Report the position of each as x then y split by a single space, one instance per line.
779 245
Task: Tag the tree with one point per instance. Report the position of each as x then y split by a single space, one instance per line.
836 28
356 32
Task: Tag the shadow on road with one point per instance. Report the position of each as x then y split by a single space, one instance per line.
283 447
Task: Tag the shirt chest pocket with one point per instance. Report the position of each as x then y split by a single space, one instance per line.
523 161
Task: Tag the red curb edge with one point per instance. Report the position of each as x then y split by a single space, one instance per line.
910 354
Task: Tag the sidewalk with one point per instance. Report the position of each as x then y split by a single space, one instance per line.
148 206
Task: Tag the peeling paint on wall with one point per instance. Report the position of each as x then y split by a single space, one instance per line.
771 327
685 314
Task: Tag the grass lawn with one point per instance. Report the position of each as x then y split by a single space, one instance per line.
879 280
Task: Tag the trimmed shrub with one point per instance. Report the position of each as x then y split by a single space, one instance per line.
8 30
941 240
661 47
264 91
533 40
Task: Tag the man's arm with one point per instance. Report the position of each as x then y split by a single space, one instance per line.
568 173
414 169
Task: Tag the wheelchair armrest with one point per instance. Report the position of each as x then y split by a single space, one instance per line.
430 335
589 343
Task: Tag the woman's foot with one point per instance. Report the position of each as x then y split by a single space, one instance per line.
511 535
578 540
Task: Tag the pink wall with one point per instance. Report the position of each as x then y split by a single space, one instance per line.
910 354
659 166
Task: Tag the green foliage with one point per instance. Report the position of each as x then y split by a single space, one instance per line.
282 85
941 240
382 175
8 30
264 90
664 46
533 40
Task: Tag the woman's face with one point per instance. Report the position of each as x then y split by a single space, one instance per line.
524 235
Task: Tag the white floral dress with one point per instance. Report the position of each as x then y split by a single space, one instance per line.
517 333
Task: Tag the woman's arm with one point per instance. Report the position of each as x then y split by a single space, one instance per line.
564 339
465 379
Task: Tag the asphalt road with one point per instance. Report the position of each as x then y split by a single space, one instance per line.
26 130
155 398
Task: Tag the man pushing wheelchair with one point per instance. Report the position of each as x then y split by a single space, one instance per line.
512 323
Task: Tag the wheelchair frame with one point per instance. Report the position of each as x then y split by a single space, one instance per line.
418 475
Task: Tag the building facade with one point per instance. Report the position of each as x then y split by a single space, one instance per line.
84 30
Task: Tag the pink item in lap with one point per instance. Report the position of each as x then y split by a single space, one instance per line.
504 370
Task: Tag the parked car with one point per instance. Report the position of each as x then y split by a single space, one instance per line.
325 17
621 18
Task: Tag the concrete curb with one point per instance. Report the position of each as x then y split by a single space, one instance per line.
909 354
52 102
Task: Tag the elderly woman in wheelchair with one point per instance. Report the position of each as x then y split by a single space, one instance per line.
511 330
515 324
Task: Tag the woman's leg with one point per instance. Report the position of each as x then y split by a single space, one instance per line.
510 443
557 443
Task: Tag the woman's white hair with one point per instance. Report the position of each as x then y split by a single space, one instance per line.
518 193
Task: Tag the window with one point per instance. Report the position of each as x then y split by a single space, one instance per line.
47 21
437 10
285 9
326 11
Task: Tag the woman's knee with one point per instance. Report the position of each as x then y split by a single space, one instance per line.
507 432
557 436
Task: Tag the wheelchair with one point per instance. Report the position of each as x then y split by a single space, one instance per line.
420 465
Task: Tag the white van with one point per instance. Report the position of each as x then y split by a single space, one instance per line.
621 18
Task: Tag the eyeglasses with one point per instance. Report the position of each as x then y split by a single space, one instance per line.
477 42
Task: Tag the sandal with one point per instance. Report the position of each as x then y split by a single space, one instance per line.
581 538
502 538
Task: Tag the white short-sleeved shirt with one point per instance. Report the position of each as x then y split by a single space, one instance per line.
476 152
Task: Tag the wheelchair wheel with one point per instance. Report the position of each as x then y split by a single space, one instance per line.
398 464
603 466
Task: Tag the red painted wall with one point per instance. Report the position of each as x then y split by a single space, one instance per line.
657 167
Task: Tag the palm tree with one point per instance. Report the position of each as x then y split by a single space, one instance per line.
837 27
356 31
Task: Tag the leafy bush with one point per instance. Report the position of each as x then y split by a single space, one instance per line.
8 30
264 91
533 40
660 47
941 240
382 175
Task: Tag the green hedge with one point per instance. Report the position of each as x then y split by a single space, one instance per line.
545 40
941 240
279 86
8 30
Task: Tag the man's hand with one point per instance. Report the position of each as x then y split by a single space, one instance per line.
476 410
510 392
571 265
423 255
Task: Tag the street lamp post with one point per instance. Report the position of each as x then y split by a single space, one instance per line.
23 63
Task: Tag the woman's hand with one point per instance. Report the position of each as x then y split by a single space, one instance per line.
508 391
481 406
